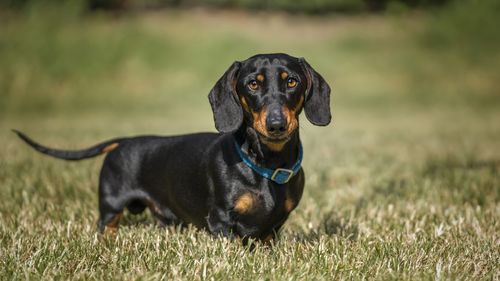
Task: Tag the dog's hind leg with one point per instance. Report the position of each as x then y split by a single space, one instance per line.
108 223
111 207
109 217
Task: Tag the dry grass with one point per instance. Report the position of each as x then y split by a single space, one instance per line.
404 184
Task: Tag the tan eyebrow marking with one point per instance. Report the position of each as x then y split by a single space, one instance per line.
260 77
284 75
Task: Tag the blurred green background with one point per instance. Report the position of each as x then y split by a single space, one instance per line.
94 69
73 58
409 168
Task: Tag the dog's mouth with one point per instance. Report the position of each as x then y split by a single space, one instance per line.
274 139
277 139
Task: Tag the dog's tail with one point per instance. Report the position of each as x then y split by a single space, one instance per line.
95 150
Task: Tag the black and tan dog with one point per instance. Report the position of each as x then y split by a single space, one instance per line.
241 182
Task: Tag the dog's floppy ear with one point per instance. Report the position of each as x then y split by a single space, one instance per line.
228 114
317 105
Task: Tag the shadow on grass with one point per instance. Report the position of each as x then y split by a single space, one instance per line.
464 181
144 219
331 224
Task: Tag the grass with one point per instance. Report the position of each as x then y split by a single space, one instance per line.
404 184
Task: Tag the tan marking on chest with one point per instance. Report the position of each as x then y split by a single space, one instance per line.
245 203
289 204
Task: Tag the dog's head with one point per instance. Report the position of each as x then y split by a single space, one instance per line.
268 92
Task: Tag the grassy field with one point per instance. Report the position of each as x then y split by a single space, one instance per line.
405 184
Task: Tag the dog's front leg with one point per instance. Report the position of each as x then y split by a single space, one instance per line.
221 223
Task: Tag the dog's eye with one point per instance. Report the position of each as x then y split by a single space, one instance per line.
253 85
291 83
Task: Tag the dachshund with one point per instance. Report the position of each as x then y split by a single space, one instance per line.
241 182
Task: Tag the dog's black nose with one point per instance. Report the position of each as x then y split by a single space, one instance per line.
275 122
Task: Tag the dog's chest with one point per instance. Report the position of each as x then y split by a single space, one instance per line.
258 210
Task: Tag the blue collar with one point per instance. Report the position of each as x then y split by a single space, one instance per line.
280 175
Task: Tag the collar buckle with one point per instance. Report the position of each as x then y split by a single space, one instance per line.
282 175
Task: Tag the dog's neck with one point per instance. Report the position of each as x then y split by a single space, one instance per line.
262 155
